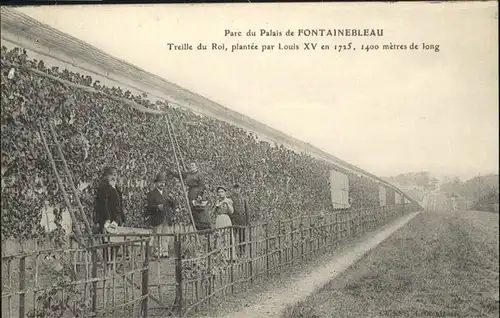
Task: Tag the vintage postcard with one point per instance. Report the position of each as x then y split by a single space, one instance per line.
250 160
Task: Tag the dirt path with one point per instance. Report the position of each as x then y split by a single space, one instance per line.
441 264
272 302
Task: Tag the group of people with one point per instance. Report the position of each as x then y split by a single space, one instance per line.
229 209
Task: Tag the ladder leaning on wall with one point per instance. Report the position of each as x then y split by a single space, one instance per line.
64 180
180 161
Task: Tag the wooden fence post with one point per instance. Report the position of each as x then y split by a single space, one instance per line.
94 284
250 259
280 260
311 238
22 284
267 248
209 266
324 232
301 226
355 222
350 223
328 238
232 257
333 232
340 221
292 242
365 220
145 281
315 235
178 272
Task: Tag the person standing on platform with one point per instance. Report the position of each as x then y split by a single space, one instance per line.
240 216
159 213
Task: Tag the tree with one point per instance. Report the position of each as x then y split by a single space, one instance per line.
479 186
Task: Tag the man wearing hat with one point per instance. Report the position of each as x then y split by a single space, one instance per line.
160 208
109 203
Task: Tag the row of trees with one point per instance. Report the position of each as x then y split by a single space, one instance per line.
473 189
481 191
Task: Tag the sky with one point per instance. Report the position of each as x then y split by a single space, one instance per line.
388 112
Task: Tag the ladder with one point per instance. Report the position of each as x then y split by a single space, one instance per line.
177 150
66 178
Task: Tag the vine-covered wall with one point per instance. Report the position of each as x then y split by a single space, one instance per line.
97 129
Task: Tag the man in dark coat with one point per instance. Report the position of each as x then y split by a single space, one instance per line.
240 216
109 200
160 209
109 203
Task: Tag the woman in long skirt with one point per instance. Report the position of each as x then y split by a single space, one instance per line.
223 208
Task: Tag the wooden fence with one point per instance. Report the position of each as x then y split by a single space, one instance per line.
267 250
203 266
75 282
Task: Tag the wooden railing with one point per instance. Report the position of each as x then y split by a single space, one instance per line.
203 265
73 282
267 250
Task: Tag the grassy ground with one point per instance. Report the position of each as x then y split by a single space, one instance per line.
440 265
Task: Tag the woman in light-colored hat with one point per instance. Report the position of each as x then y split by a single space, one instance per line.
223 208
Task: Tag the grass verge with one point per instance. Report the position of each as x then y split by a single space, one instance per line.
439 264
